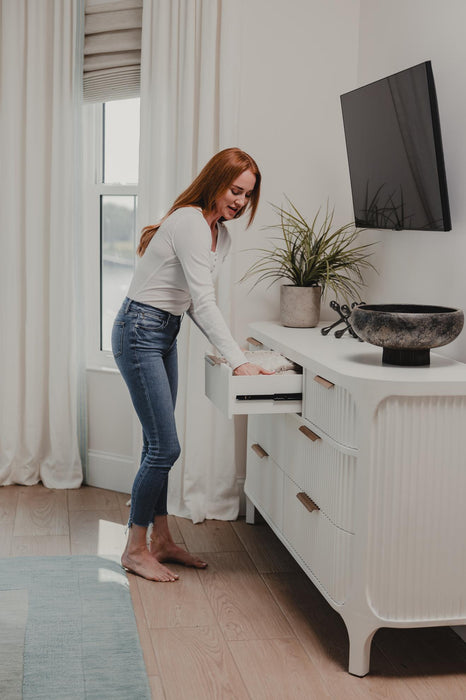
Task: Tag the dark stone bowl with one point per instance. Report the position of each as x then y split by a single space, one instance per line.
406 332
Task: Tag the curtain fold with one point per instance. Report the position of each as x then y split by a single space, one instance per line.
189 90
39 186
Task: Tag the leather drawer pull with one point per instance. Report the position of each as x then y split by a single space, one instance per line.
323 382
308 433
253 341
307 502
259 450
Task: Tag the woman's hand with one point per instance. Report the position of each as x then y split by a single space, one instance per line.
249 369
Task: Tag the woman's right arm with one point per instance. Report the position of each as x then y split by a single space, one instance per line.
192 242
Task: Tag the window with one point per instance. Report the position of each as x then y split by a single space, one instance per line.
120 157
111 164
117 234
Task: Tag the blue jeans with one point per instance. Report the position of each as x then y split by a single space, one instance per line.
144 347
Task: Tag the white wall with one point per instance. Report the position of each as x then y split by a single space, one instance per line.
297 58
423 267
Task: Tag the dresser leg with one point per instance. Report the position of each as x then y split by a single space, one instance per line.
360 640
250 512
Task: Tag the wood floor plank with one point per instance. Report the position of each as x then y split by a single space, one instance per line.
243 605
156 688
175 529
91 498
182 603
40 546
265 549
124 501
6 536
197 664
430 661
143 629
286 671
97 532
41 511
8 500
309 614
8 503
209 536
123 498
323 635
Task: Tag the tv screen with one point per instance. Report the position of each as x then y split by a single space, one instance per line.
395 153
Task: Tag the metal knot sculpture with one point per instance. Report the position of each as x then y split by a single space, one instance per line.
344 312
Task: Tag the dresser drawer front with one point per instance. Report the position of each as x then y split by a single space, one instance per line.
329 474
312 462
273 432
264 484
245 395
324 550
331 407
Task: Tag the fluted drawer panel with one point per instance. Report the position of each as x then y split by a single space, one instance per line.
417 509
321 547
332 409
327 474
264 484
271 432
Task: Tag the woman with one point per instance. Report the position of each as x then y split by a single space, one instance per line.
175 275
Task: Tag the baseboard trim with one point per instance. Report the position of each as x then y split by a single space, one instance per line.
110 471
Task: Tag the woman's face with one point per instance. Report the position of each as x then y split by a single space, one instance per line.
236 196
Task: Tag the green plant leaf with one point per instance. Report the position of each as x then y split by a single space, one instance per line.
313 254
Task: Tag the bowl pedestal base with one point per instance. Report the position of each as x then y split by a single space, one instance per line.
406 357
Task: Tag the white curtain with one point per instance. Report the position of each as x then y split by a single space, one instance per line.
189 102
38 214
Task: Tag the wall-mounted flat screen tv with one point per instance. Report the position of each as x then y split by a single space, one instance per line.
395 153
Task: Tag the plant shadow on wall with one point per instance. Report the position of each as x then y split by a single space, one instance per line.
313 258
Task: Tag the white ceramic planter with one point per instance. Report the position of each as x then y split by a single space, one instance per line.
299 306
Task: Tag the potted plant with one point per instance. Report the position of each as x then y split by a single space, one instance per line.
313 258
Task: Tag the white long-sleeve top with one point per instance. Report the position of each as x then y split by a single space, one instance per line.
177 273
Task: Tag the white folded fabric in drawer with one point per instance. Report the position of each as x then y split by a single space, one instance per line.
271 360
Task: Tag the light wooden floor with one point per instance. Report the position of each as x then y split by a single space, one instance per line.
250 626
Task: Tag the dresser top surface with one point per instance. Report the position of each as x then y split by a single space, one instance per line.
351 358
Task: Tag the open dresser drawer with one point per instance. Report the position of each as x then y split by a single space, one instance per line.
272 393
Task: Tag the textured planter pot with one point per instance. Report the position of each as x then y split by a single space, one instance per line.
299 306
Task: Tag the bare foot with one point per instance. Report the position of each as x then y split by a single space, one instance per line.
169 551
142 563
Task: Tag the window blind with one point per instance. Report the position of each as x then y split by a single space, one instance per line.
112 49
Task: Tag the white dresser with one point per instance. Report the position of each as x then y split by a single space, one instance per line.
364 481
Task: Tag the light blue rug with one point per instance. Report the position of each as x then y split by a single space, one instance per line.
67 631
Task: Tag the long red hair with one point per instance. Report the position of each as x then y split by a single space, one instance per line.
211 183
